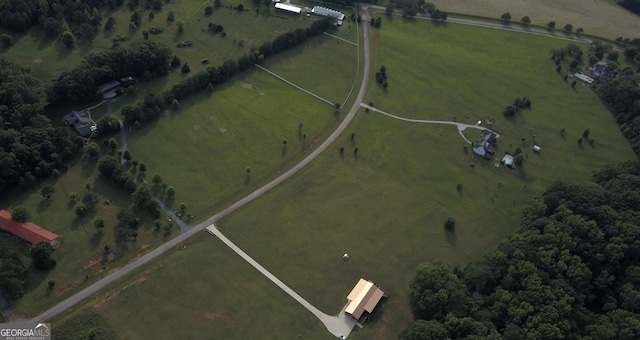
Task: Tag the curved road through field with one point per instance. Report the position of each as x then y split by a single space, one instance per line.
461 126
333 324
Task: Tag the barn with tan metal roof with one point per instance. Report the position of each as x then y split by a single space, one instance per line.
363 299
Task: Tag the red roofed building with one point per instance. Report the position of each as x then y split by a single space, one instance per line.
25 230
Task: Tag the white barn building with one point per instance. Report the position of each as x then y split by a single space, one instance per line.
288 8
328 12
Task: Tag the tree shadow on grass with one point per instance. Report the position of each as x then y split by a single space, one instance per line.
247 179
439 23
88 167
378 312
43 205
451 237
95 239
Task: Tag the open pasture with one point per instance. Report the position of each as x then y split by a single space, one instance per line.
204 148
203 291
325 66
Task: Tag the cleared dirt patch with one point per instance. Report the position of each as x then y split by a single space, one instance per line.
196 127
222 129
67 286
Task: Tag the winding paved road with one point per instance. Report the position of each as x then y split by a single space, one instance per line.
334 324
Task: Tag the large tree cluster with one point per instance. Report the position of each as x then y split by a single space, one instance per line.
572 271
623 96
53 16
13 274
30 147
148 59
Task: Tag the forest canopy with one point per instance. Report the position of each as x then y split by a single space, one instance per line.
572 271
30 147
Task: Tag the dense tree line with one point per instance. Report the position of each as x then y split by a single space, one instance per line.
13 274
572 271
141 60
622 94
54 16
30 147
152 105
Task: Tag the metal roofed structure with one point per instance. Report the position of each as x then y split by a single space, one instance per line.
288 8
328 12
363 298
27 231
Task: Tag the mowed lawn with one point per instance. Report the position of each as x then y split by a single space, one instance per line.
205 148
204 291
49 57
81 250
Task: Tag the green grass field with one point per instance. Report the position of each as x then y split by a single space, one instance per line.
225 298
386 208
204 148
324 65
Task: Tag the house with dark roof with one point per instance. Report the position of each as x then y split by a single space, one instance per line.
485 146
601 72
81 121
108 89
27 231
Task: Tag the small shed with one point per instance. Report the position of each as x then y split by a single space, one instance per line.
536 148
507 160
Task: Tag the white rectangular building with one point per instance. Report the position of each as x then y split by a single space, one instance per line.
328 12
288 8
